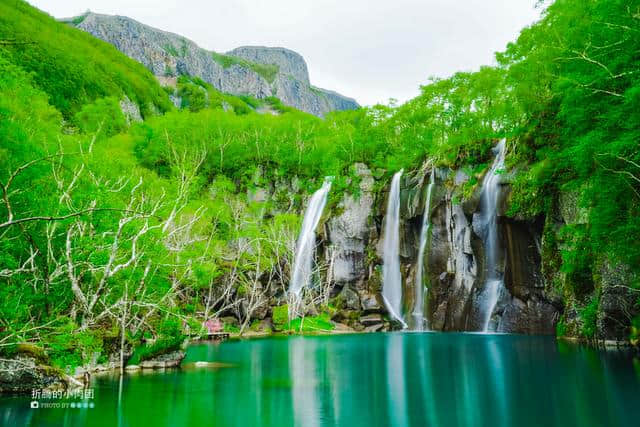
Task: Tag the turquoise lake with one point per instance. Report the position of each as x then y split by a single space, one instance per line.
394 379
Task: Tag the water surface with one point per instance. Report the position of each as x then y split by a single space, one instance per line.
396 379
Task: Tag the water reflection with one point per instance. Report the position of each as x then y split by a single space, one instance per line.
304 382
398 379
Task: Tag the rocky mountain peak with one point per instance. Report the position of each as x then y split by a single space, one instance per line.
249 70
288 61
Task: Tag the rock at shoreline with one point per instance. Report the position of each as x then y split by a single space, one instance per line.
168 360
25 373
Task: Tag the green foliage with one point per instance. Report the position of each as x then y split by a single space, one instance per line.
71 66
76 20
575 85
277 105
280 317
230 328
104 118
577 260
196 94
589 316
69 347
286 145
159 347
311 324
267 71
635 331
193 97
171 50
561 328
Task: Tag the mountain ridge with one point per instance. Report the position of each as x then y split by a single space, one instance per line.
258 71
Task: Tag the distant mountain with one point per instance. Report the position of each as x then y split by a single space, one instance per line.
248 70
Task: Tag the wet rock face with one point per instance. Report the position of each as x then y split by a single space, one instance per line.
452 266
350 232
531 317
529 310
617 303
455 269
455 259
166 54
522 275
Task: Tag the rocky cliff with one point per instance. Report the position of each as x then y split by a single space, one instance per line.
531 301
454 260
249 70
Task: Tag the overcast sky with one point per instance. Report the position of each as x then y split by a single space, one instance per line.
371 50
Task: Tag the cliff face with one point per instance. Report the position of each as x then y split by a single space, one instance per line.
454 261
531 301
249 70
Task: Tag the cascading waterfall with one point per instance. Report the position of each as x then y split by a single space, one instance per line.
419 320
305 248
487 223
391 278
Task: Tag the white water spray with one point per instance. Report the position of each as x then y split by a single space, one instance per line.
391 278
305 248
419 320
489 232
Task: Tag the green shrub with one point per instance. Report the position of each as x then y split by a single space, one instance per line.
267 71
161 346
635 331
561 328
73 67
103 117
589 316
319 323
280 316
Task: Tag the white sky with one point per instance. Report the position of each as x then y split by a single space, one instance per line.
371 50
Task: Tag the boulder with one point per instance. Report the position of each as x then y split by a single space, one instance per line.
371 319
349 299
24 373
167 360
371 304
374 328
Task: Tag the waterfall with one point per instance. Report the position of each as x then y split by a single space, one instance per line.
425 234
305 248
391 278
487 224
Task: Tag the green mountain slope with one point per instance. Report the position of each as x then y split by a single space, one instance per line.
71 66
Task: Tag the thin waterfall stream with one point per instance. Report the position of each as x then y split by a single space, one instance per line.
391 277
306 245
419 319
488 226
